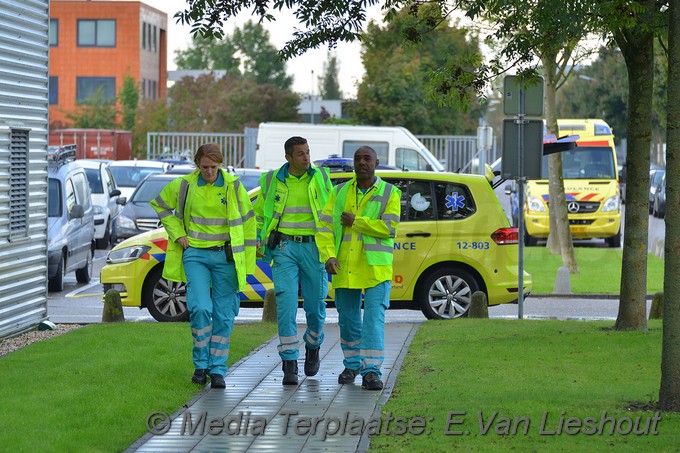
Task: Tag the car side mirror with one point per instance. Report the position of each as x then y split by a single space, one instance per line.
77 212
121 201
508 189
114 193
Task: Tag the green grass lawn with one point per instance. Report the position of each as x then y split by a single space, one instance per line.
599 270
500 378
91 389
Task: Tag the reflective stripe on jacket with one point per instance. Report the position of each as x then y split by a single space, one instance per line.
173 206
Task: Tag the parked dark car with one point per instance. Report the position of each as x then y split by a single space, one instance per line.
659 206
137 215
655 174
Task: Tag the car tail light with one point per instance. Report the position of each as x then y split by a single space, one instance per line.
504 236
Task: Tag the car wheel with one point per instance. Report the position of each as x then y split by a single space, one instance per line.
529 240
166 300
614 241
447 293
56 283
104 241
84 274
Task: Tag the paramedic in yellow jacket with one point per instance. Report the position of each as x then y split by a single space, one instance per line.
211 226
288 210
356 241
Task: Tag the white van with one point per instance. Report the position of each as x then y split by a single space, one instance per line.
395 146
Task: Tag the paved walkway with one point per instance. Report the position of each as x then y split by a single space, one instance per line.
257 413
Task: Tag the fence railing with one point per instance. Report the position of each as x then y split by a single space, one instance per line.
459 153
237 149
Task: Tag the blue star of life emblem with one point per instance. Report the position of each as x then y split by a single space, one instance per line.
454 201
277 198
223 200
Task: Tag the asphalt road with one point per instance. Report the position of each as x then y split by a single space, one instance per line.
80 303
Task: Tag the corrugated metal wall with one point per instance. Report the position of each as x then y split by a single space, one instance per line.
23 165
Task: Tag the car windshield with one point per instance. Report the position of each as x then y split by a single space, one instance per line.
95 180
54 198
132 176
148 190
585 163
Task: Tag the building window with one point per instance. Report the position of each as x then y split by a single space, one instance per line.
90 87
155 48
143 35
143 88
153 89
96 33
53 87
54 32
18 184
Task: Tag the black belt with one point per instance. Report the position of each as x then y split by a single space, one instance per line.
286 237
214 248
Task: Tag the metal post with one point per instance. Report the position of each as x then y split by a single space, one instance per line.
520 214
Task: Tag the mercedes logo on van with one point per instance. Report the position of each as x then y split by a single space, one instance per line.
572 207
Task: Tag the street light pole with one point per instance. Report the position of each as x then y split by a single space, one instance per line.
311 98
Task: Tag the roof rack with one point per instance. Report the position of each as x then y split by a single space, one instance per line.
59 155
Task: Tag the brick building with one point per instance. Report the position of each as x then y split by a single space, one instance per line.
94 43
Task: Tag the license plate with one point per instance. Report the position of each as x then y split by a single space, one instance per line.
578 229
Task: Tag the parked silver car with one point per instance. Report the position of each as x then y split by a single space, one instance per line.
70 221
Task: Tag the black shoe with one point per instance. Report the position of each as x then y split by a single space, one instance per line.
217 381
200 376
312 361
290 372
347 376
371 381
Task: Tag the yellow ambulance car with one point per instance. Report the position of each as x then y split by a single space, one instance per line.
591 185
454 239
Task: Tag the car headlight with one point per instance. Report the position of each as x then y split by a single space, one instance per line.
123 221
535 204
611 204
126 254
98 210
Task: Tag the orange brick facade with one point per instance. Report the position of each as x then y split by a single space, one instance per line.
140 50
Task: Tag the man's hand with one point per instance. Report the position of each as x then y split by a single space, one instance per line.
183 241
347 219
332 266
257 250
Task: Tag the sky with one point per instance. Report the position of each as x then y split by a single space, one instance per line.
348 54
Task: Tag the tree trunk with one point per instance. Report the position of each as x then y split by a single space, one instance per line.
669 394
637 45
559 239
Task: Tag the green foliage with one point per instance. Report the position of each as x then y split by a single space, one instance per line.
395 88
129 100
228 104
206 53
599 90
96 112
327 22
329 86
261 60
152 116
248 47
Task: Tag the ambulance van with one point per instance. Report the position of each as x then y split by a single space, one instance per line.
395 146
591 185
